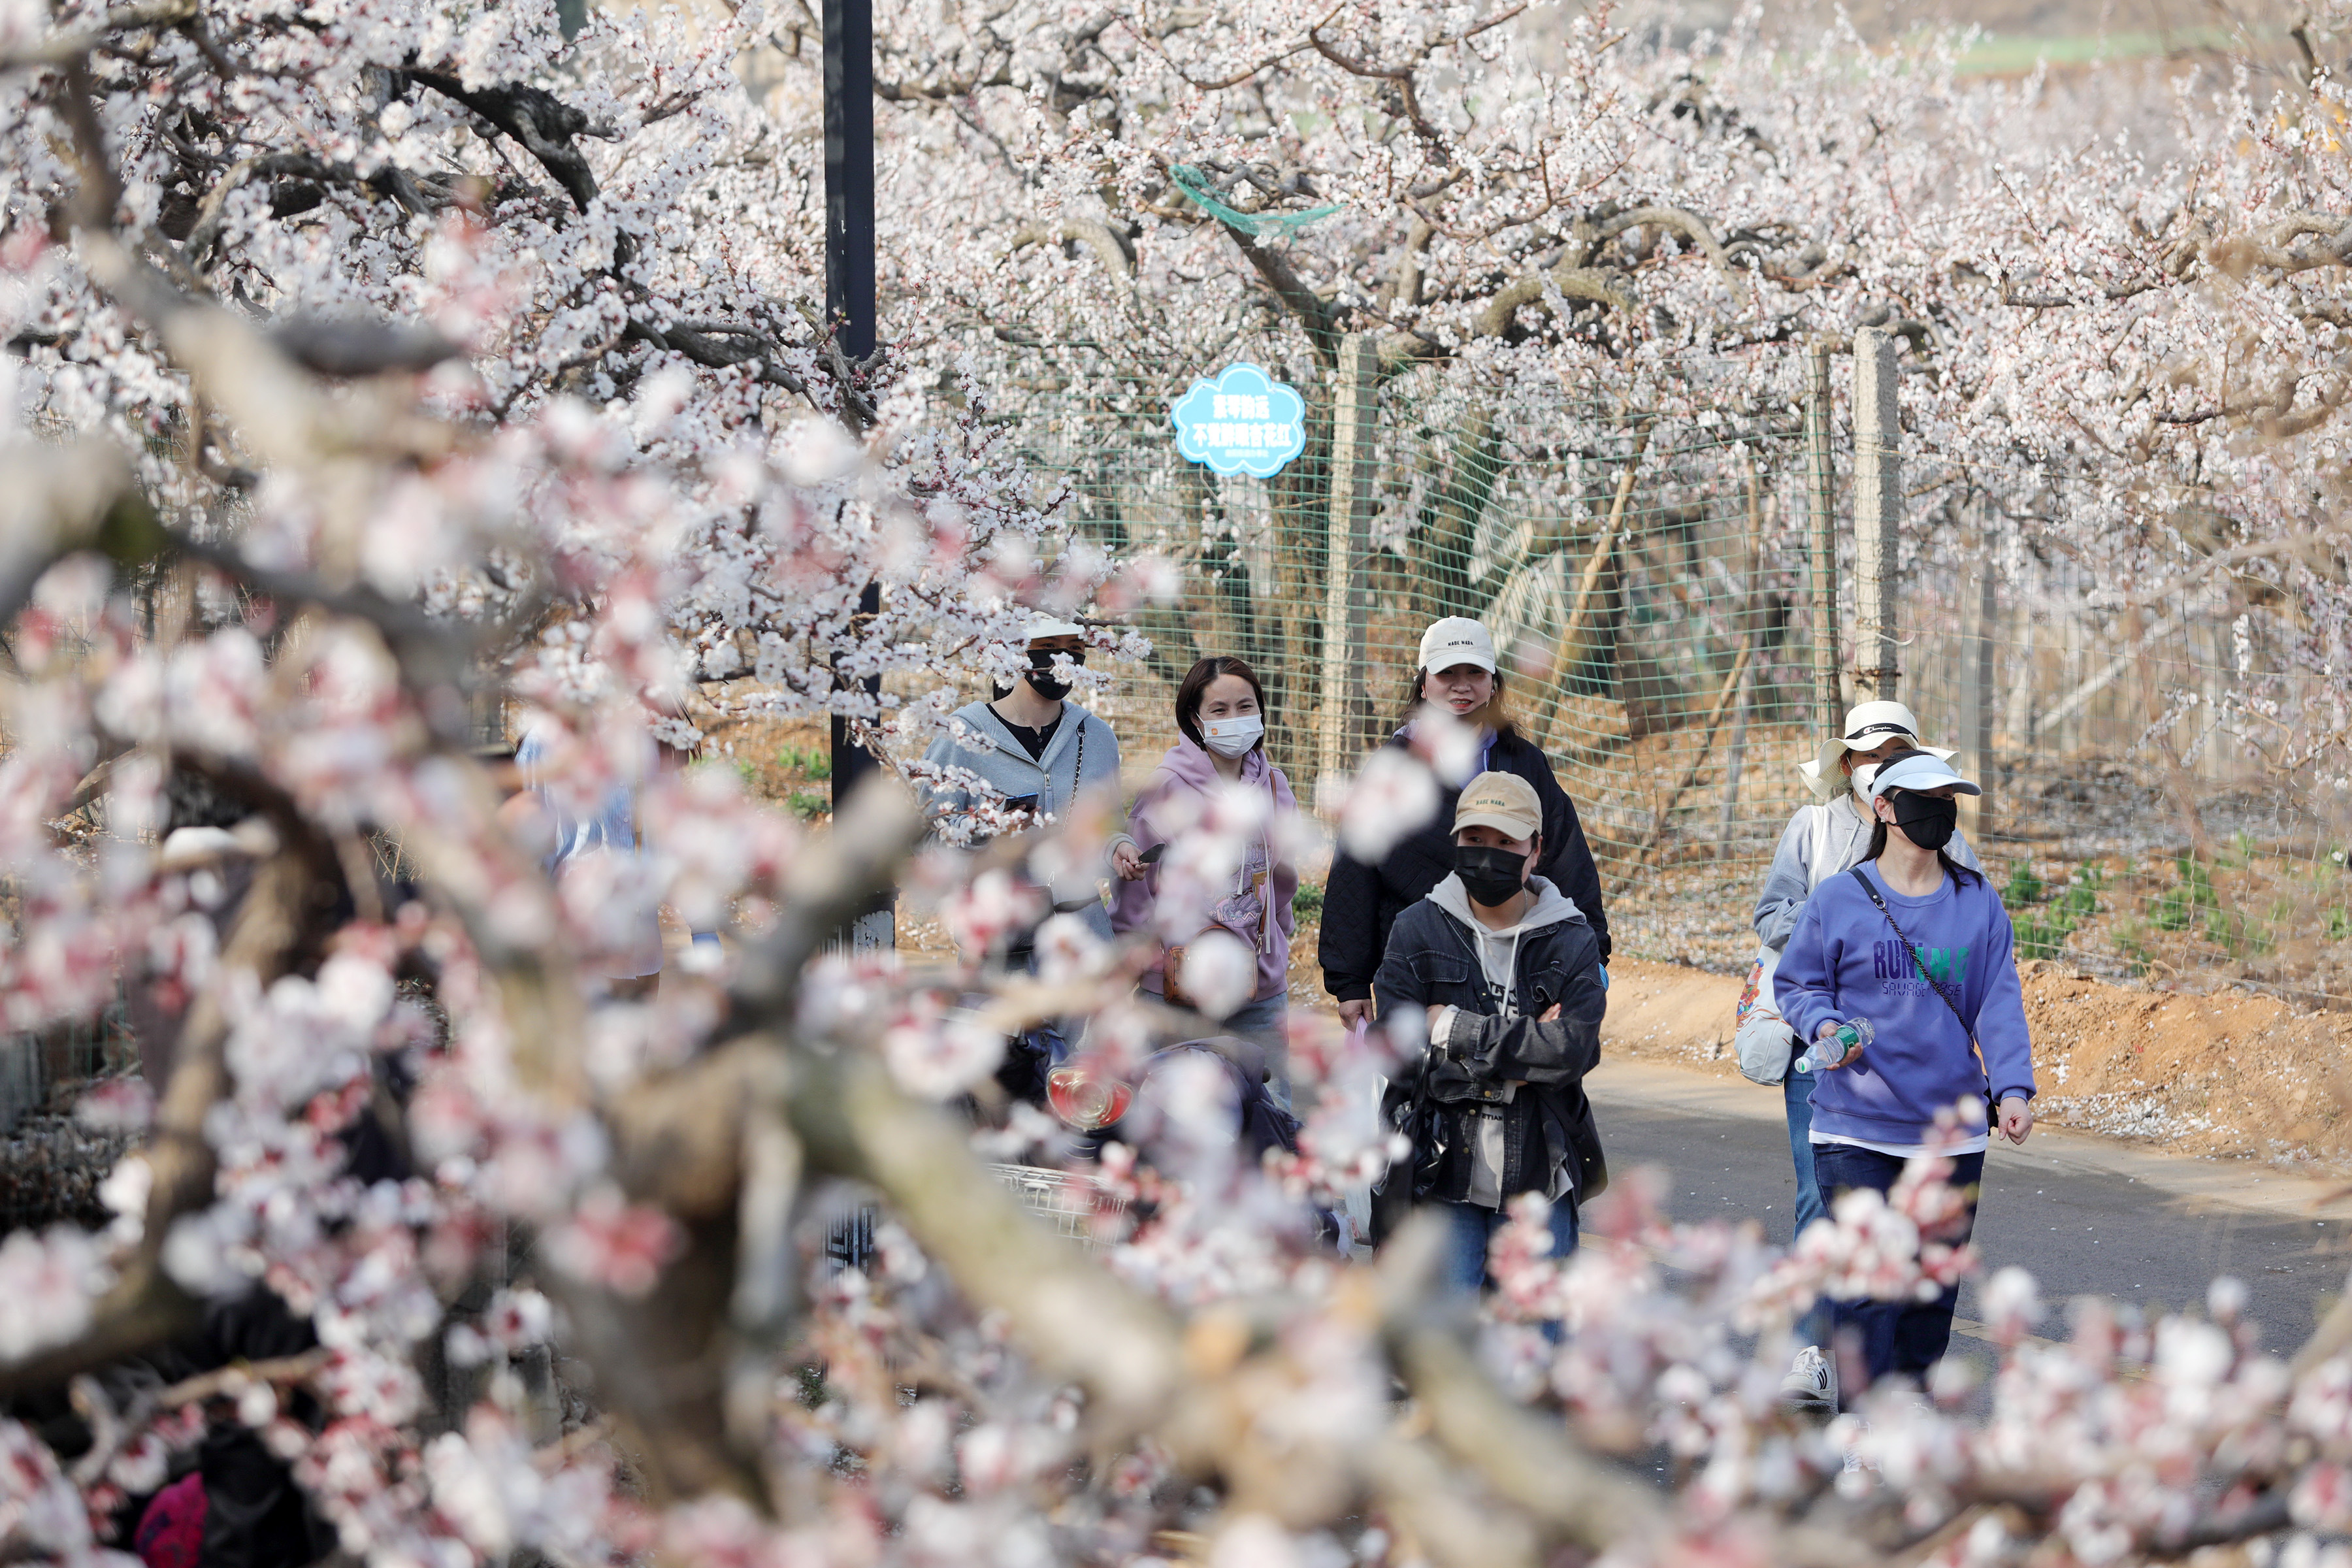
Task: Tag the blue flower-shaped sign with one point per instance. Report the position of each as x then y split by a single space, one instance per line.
1244 422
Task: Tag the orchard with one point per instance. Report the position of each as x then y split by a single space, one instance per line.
374 366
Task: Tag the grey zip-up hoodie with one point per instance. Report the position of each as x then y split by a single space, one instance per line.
1498 950
1082 758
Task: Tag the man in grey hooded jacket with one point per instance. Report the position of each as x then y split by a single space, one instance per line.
1505 972
1030 751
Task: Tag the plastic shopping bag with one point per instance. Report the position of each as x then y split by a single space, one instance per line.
1761 1038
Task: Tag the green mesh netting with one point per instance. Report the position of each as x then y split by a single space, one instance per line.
1644 565
1196 185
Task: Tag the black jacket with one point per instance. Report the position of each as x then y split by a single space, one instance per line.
1433 962
1360 902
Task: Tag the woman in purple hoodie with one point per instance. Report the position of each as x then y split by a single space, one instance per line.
1220 712
1920 947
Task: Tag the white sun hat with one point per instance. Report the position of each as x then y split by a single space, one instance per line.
1867 725
1042 625
1456 639
1921 771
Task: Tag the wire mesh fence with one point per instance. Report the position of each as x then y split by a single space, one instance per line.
50 1164
1653 564
1648 564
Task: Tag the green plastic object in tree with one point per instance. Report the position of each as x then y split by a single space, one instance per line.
1196 185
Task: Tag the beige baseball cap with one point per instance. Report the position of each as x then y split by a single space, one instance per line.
1505 802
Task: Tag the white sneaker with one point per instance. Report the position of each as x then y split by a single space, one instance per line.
1811 1381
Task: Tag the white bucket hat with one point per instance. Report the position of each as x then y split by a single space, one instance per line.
1042 625
1867 725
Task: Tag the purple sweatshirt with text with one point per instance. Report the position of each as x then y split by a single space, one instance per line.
1844 961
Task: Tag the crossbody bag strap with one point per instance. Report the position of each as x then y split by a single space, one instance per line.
1933 984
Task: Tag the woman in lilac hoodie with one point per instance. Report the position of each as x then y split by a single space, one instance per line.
1221 710
1921 947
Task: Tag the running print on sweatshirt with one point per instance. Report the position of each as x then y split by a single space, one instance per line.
1945 966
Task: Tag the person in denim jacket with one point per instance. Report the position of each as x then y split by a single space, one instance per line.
1503 973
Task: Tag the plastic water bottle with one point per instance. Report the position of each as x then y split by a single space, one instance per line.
1828 1052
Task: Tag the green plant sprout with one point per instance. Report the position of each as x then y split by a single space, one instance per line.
807 761
2177 906
2041 934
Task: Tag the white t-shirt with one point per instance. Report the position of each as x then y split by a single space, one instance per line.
1976 1145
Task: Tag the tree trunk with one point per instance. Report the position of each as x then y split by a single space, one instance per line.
1448 529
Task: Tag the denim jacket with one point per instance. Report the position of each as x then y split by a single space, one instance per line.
1550 1141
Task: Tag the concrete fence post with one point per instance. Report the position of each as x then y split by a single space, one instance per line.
1877 518
1821 505
1979 689
1355 406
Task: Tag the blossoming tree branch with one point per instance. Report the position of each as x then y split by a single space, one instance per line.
2122 332
369 357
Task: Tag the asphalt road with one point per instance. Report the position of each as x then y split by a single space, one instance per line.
2086 1216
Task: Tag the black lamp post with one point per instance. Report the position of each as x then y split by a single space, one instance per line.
849 173
849 308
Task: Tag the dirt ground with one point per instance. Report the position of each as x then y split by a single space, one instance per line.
789 762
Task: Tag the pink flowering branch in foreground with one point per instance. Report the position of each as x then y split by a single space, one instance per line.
378 366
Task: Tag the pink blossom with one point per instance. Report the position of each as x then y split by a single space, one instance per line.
1393 795
47 1284
936 1055
611 1242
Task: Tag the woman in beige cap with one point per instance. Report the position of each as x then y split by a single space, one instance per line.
1505 971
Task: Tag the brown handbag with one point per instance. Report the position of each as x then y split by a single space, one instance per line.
1172 978
1172 963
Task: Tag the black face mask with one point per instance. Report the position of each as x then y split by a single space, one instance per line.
1041 676
1489 876
1926 820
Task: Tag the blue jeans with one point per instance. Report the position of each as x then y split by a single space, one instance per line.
1262 1021
1471 1227
1903 1338
1797 1093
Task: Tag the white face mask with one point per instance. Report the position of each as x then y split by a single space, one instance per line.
1231 737
1863 774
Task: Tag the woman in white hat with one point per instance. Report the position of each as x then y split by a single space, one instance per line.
1919 947
1360 902
1820 841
